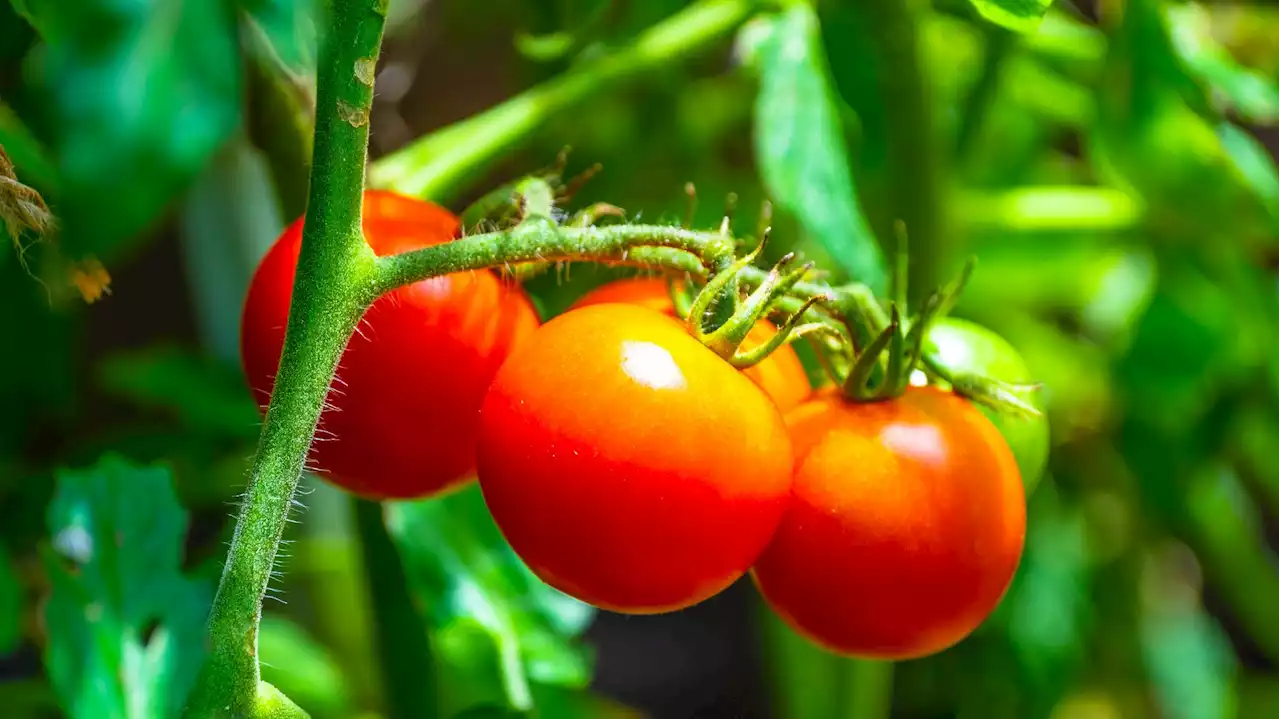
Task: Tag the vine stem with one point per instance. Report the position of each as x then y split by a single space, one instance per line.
541 240
437 165
332 288
911 147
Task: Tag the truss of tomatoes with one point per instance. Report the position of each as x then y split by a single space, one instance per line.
633 468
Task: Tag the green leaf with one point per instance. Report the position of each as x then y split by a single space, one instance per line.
140 95
10 605
1189 657
126 627
204 395
1253 166
290 28
799 141
301 668
1255 96
496 626
1018 15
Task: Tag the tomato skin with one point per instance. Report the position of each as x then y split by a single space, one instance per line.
906 524
404 420
781 375
627 464
972 348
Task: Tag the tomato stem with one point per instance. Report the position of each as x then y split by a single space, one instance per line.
542 240
333 286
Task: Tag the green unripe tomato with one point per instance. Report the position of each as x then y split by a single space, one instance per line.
967 347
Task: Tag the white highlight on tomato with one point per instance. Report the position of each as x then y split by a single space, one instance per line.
651 366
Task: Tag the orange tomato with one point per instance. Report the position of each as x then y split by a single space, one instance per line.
905 526
780 375
627 464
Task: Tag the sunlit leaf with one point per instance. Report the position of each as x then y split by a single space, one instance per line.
142 94
1256 167
497 626
799 141
126 628
1020 15
1255 96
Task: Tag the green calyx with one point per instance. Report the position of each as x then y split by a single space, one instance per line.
723 293
897 349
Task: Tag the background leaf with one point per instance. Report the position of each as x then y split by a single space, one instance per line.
141 95
10 604
799 145
204 394
290 26
1020 15
126 627
296 664
496 625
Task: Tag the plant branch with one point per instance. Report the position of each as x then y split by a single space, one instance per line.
541 240
332 288
438 164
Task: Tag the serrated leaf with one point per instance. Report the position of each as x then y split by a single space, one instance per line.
126 628
492 620
204 395
799 143
140 95
1018 15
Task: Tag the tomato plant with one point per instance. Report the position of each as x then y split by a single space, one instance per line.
403 415
971 348
627 464
1110 167
905 525
780 375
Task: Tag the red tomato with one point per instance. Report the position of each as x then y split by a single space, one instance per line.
627 464
781 375
403 418
905 526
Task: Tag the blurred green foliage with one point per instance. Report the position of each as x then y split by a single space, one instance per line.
125 626
1112 167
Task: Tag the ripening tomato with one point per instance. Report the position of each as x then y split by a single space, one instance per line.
972 348
627 464
905 525
780 375
403 416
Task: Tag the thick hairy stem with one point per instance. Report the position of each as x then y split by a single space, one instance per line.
334 284
435 166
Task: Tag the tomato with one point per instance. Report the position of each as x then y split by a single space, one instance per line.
403 418
905 526
780 375
627 464
974 349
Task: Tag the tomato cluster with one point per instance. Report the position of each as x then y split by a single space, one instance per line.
632 467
